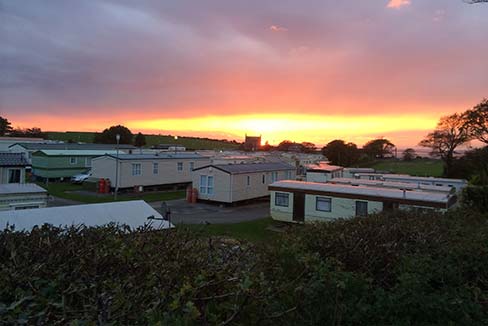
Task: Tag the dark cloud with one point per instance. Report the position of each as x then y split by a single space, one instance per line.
184 58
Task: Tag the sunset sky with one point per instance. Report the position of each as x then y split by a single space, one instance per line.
300 70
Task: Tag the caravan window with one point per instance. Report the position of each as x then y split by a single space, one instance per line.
361 208
136 169
192 164
72 160
207 184
14 176
203 184
155 168
180 166
282 199
323 204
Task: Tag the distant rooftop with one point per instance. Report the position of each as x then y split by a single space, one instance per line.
72 146
159 156
76 152
249 167
390 184
18 188
322 167
12 159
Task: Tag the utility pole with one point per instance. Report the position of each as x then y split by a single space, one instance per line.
117 137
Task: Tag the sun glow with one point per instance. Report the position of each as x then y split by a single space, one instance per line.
275 128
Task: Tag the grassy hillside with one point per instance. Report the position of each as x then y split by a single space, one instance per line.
188 142
418 167
397 269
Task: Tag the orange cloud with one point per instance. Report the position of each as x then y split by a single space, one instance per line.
398 3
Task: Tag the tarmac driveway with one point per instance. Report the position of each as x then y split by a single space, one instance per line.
184 212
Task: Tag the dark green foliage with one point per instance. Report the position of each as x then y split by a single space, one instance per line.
340 153
476 197
108 136
401 269
139 140
28 133
378 148
473 166
5 126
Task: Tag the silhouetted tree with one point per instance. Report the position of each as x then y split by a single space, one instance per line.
378 148
340 153
450 132
308 147
29 132
140 140
284 145
108 136
409 154
473 165
5 126
476 121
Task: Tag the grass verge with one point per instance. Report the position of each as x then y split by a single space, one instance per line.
68 191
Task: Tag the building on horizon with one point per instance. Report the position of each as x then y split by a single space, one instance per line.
252 143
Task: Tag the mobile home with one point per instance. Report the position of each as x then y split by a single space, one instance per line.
296 201
229 183
12 167
147 170
60 164
323 172
16 196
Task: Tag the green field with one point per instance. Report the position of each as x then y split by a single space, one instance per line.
255 231
191 143
418 167
69 191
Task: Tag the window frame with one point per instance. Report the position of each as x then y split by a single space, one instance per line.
203 185
136 167
362 202
11 171
73 160
282 195
155 168
323 199
178 165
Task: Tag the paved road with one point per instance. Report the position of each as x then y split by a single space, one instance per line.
183 212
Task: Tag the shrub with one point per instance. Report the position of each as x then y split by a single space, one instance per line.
401 268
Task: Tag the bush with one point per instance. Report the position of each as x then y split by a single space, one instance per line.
402 269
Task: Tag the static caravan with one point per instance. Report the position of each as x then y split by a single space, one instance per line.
12 168
295 201
28 149
147 170
60 164
391 184
323 172
229 183
351 172
457 184
16 196
134 213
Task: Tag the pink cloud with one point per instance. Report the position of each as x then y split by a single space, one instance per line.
276 28
398 3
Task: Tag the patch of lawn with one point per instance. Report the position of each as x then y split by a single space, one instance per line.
188 142
68 191
418 167
254 231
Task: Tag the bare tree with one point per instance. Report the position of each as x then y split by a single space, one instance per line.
450 132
